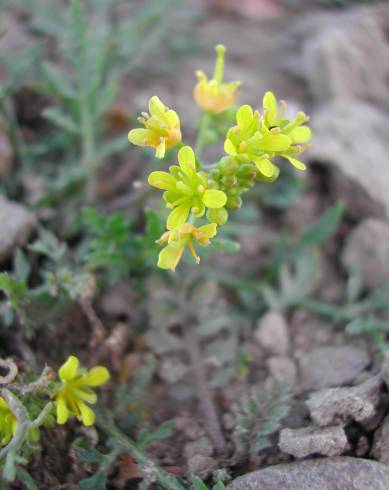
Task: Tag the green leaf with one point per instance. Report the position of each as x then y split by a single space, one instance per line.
16 291
96 482
25 477
22 267
198 484
58 80
295 283
61 119
323 228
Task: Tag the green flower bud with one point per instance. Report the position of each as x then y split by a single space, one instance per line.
212 184
246 183
228 165
218 216
234 202
229 181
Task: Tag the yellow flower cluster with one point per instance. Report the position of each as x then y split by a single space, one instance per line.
192 193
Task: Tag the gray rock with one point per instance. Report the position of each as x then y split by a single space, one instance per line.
16 225
351 137
340 473
332 366
367 251
282 369
307 441
340 405
272 333
380 448
201 465
339 61
385 370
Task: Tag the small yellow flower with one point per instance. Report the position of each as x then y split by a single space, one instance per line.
8 423
162 128
176 240
186 190
213 95
75 391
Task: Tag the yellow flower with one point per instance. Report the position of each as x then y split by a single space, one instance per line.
176 241
162 128
8 423
213 95
186 190
75 391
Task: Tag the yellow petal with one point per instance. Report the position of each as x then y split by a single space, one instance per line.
140 136
96 376
87 415
62 410
208 230
68 371
296 163
187 160
214 199
156 107
162 180
266 167
229 147
161 149
85 394
170 256
178 216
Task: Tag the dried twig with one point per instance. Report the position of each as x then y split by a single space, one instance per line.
94 320
12 368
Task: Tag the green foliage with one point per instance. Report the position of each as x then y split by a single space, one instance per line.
198 484
258 415
361 314
296 280
110 244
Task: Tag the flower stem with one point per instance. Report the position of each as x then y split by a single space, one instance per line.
205 119
152 471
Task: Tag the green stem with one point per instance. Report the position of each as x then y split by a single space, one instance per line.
205 119
89 159
13 131
149 468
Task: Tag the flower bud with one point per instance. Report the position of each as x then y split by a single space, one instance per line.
218 216
234 202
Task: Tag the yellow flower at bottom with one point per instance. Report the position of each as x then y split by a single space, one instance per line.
75 391
213 95
162 128
8 423
178 239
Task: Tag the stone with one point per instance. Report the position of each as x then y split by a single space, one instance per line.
272 333
307 441
367 251
385 370
339 62
16 225
341 405
332 366
282 369
350 137
339 473
380 448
